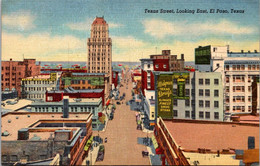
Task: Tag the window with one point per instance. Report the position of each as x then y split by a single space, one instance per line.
193 102
187 114
14 158
200 92
187 92
201 114
175 113
207 103
216 115
156 66
238 67
187 102
164 66
4 157
249 67
201 103
216 104
174 91
201 81
207 115
227 67
249 108
227 79
187 81
148 66
207 92
216 93
234 67
242 67
193 92
207 81
249 98
175 102
215 81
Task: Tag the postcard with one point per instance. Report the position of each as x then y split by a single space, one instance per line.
153 82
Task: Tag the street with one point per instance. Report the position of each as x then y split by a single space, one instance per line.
122 147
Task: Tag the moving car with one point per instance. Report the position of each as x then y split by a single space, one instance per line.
118 103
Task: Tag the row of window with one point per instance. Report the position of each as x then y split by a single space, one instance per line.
201 114
207 92
71 109
240 78
207 81
37 82
35 88
35 96
207 104
239 99
201 103
242 67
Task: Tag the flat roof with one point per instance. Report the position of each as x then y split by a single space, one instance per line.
19 120
20 104
39 77
212 159
213 136
88 74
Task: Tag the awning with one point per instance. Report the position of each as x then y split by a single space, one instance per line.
88 144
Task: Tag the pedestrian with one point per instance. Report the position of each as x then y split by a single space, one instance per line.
106 140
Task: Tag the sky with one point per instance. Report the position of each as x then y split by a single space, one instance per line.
57 30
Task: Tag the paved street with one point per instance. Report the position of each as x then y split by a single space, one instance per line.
121 133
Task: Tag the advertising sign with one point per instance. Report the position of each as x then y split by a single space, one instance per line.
165 96
181 79
202 55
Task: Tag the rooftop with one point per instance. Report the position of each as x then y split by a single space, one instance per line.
20 104
71 90
14 121
39 77
99 21
191 135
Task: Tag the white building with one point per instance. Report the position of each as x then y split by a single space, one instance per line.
34 88
238 70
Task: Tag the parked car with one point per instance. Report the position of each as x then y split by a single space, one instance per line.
118 103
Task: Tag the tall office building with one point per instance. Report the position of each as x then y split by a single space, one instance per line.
100 48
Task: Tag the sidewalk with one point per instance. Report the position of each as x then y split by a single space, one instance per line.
92 156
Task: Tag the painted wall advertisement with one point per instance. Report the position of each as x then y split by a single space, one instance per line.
165 96
181 80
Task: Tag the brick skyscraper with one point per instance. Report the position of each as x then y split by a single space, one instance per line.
100 48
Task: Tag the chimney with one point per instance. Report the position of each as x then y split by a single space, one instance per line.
11 59
228 48
242 51
23 134
65 108
248 51
182 56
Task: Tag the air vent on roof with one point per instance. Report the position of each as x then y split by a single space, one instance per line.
77 116
28 116
17 117
9 121
52 116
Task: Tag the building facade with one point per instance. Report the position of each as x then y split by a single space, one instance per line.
237 69
14 71
35 87
100 48
81 81
84 105
174 64
195 95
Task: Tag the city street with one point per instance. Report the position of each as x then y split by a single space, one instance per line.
122 147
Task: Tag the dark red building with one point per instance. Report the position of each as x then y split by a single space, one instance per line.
115 77
56 96
14 71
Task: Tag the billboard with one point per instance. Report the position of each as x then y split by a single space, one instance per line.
165 96
202 55
181 80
